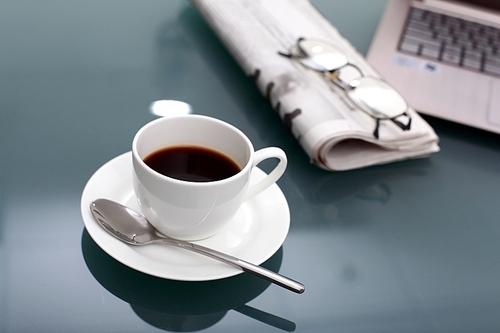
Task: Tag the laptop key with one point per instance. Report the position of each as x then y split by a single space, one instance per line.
410 46
492 66
430 51
472 62
451 55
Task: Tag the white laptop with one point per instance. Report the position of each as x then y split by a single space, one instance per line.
443 57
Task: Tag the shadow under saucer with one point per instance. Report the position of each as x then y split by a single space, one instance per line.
181 306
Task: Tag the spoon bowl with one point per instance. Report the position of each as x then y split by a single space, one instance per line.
132 228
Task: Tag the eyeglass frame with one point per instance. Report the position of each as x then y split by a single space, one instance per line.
333 75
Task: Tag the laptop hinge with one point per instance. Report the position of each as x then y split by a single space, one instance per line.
461 10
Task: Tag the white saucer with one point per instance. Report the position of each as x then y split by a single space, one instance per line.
256 232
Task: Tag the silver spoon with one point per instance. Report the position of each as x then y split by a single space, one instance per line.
132 228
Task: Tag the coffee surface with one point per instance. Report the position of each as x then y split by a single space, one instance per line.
192 163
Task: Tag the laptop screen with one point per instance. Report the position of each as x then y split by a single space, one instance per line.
489 4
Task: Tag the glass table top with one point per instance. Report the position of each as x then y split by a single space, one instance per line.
412 246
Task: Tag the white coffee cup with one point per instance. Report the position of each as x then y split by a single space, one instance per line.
195 210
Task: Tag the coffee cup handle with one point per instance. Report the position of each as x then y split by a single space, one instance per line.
273 176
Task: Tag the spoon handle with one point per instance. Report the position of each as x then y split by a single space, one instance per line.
259 271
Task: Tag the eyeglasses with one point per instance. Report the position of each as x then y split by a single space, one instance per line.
369 94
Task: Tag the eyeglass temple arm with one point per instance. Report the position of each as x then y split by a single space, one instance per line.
288 55
404 127
377 126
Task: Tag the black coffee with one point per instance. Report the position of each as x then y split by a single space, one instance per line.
192 163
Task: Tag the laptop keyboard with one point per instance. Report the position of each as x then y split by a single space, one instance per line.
452 41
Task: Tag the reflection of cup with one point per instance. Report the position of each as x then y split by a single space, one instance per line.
196 207
181 305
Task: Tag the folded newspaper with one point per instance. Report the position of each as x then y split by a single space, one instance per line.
334 134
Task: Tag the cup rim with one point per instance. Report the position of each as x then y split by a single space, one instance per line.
138 159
